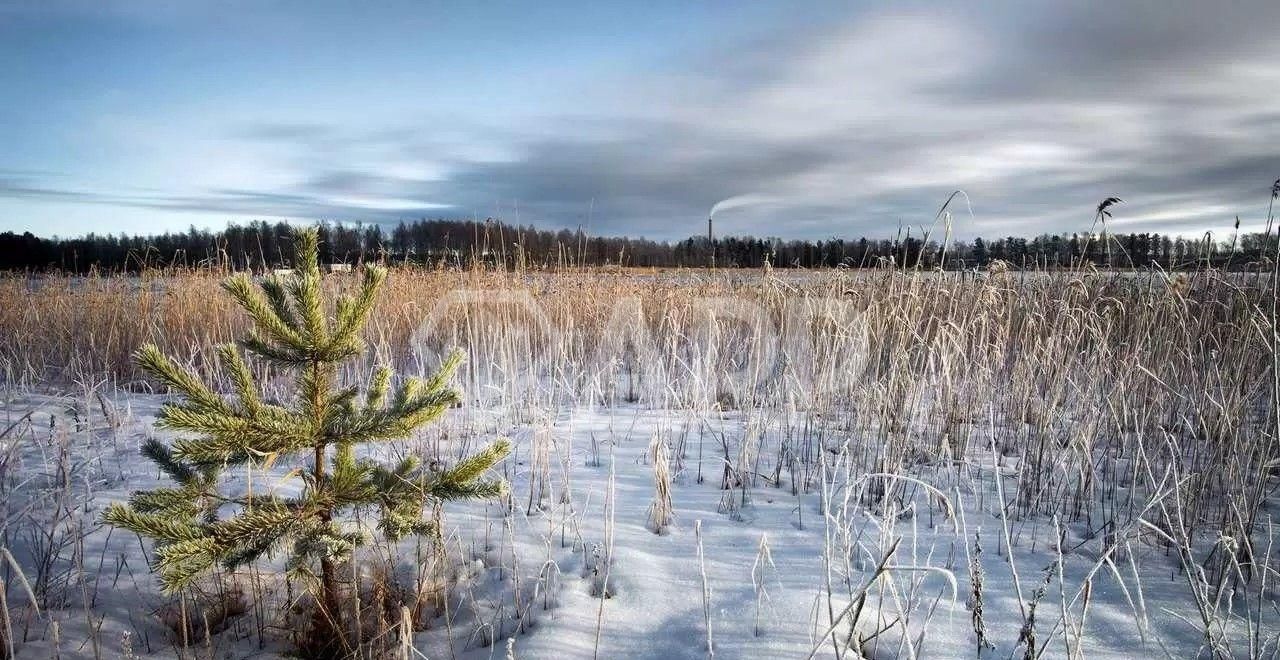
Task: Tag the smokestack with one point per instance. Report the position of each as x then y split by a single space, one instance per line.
711 242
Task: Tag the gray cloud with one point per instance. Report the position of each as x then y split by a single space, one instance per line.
1039 115
850 126
240 204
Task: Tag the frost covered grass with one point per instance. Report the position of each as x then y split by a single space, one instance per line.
825 464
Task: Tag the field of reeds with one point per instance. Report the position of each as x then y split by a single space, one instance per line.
862 463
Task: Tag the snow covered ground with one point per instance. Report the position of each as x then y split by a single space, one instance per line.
761 569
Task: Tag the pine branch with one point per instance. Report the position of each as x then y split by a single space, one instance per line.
163 458
248 536
164 528
307 251
274 291
378 386
323 541
446 490
472 467
304 287
264 317
354 313
396 525
180 563
241 379
171 502
342 403
397 421
446 371
281 356
162 368
232 438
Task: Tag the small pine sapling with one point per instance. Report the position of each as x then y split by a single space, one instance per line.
195 527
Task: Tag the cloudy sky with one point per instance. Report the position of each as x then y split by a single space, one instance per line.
636 118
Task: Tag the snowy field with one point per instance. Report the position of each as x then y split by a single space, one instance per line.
1004 468
776 558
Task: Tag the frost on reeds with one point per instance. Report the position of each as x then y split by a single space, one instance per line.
762 565
661 511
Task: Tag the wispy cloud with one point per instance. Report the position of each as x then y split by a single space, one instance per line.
849 127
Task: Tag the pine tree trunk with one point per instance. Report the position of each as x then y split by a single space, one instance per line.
328 637
328 632
331 609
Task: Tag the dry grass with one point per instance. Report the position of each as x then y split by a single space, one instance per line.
1133 409
1073 367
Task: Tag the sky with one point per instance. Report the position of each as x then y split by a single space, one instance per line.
814 120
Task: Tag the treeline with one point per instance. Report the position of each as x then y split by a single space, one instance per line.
457 243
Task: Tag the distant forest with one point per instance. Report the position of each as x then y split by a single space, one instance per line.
262 245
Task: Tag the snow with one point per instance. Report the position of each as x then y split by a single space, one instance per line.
66 456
